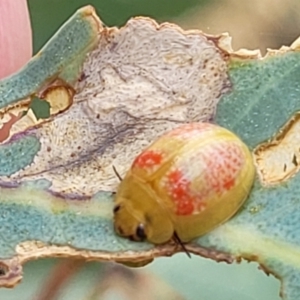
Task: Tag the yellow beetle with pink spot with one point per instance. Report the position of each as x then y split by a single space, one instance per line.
185 184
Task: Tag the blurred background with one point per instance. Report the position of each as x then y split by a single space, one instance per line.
256 24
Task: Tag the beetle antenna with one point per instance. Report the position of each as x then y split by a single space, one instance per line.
117 174
179 242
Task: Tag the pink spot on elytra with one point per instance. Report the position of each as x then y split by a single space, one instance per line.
179 190
178 184
223 162
228 184
185 208
148 159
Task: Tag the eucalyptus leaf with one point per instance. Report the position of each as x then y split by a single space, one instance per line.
107 93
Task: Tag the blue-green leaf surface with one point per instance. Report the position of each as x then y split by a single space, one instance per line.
56 178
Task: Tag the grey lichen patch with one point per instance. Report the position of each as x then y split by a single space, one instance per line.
279 159
156 72
140 81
